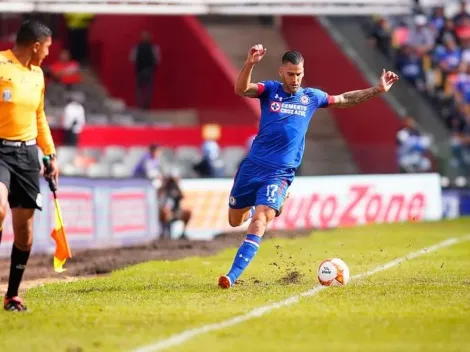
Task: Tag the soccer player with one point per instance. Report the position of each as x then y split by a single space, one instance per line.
261 183
23 126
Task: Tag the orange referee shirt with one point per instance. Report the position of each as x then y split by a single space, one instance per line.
22 115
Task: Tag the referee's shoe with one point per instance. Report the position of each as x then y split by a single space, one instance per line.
14 304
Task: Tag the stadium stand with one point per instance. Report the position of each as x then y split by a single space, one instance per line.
430 48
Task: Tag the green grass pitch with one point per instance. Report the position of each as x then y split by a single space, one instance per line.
420 305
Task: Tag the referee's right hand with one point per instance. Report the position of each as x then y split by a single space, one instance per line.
54 171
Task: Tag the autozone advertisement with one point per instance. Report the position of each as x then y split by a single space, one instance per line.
96 213
109 213
325 202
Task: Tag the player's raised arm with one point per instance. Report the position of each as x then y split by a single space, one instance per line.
355 97
243 86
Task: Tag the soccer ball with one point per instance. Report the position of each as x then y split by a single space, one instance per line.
333 272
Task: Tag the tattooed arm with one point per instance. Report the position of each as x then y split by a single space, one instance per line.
355 97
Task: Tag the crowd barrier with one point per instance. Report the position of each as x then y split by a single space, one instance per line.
107 213
325 202
97 214
455 203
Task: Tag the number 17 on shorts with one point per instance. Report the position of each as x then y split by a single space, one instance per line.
272 195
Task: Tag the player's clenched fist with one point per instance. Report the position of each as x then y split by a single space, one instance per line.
255 54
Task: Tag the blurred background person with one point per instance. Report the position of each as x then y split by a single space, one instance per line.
212 164
73 120
66 71
170 197
412 148
146 58
149 166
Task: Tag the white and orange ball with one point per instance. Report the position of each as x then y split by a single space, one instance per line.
333 272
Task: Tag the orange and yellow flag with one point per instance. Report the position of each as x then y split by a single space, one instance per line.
62 249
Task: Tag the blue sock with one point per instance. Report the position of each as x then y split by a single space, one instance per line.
244 256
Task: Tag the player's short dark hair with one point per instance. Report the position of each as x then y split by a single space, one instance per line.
32 31
294 57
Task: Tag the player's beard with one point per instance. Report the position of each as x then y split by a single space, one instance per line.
289 88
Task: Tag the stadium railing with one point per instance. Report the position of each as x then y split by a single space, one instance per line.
226 7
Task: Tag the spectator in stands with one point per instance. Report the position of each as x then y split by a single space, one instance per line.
412 146
73 120
438 20
460 143
146 58
465 45
448 58
421 36
400 35
149 166
410 65
462 91
66 71
447 30
77 25
462 15
170 197
381 36
442 45
212 164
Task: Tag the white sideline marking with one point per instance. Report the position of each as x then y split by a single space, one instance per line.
186 335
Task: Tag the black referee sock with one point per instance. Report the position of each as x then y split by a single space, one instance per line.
19 259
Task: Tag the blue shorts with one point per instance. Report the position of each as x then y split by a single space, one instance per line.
256 184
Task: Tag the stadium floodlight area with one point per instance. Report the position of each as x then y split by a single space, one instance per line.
221 7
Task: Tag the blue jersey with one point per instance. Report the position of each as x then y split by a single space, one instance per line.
285 117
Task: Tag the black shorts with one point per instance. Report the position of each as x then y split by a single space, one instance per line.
20 172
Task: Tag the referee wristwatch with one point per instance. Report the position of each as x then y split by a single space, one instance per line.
52 156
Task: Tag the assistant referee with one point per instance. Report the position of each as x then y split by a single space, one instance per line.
23 126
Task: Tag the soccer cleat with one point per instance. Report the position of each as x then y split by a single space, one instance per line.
224 282
14 304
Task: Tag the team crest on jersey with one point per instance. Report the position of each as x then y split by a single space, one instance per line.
6 95
304 99
232 200
275 106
